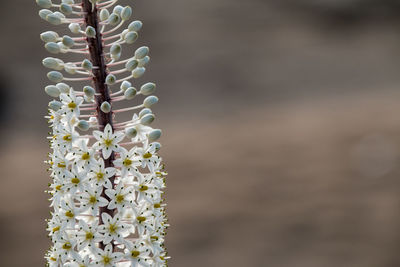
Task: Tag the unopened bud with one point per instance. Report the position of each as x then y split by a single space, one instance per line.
44 3
147 119
130 93
53 63
154 135
49 36
131 64
114 19
90 32
144 112
43 13
52 48
55 76
68 41
130 132
125 85
130 37
110 79
83 125
149 101
52 91
70 68
88 91
144 61
118 9
115 49
55 105
104 14
147 89
126 13
141 52
135 26
74 27
138 72
105 107
66 9
54 19
87 65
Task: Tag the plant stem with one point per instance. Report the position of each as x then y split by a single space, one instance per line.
99 77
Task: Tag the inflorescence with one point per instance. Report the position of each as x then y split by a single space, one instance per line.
107 184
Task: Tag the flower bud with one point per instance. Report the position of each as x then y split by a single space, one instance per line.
130 37
70 68
125 85
88 91
144 61
110 79
105 107
87 65
54 19
144 112
147 89
157 145
130 132
44 3
154 135
90 32
83 125
130 93
149 101
114 19
126 13
53 63
55 105
63 87
138 72
141 52
66 9
93 121
52 48
55 76
135 26
115 49
68 41
52 91
74 27
117 10
49 36
43 13
131 64
104 14
147 119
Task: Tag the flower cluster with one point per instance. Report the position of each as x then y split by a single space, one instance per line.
107 184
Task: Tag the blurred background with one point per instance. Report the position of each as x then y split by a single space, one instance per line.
281 131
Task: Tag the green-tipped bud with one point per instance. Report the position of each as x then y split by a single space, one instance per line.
43 13
88 91
147 119
55 105
70 68
114 19
149 101
131 37
90 32
63 87
154 135
131 64
125 85
74 27
54 19
130 132
157 145
147 89
52 48
115 49
126 13
49 36
144 61
144 112
44 3
53 63
110 79
87 65
83 125
130 93
55 76
104 14
138 72
66 9
135 26
68 41
105 107
52 91
141 52
117 10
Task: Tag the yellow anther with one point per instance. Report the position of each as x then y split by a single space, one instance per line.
143 188
67 246
61 165
100 176
55 229
147 155
58 187
127 162
135 253
69 214
140 218
119 198
75 180
92 199
157 205
112 228
108 142
72 105
86 156
67 137
106 259
89 236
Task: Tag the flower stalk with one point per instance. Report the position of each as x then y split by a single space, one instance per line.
107 185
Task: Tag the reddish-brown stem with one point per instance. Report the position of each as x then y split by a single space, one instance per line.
99 77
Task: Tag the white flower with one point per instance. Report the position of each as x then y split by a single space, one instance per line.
74 180
87 236
71 103
149 157
128 161
101 176
92 199
84 156
120 197
138 254
107 258
107 141
113 228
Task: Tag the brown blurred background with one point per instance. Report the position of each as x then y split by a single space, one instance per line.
281 131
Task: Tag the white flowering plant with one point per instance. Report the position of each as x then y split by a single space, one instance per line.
107 178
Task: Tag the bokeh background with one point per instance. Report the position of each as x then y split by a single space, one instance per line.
281 131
